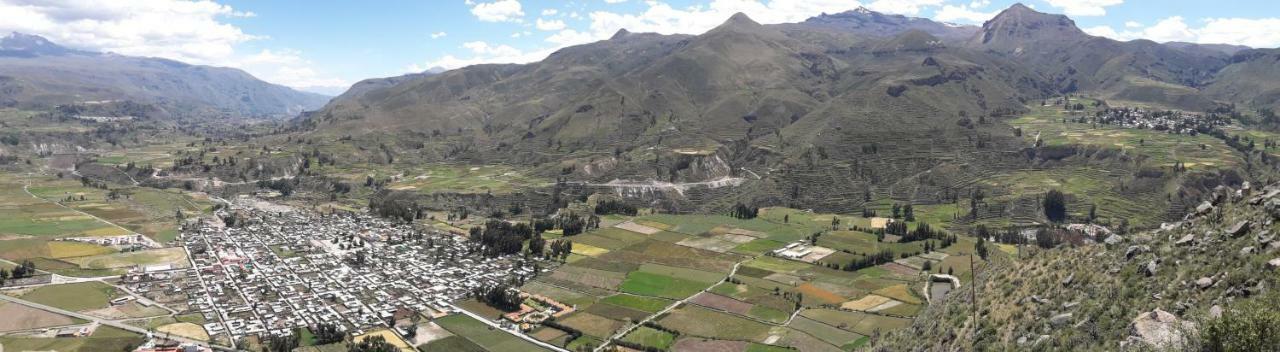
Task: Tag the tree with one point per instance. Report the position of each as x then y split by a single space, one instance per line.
1055 206
981 247
908 213
374 343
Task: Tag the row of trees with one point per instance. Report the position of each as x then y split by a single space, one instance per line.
499 296
610 206
23 270
499 237
742 211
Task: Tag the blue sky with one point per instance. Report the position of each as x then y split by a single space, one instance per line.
325 46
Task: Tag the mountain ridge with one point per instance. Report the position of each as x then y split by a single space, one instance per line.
39 74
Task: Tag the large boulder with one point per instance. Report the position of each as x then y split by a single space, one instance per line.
1160 329
1187 240
1240 228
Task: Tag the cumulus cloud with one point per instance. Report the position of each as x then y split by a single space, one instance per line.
962 14
1084 7
1238 31
549 25
614 1
497 11
438 35
194 32
550 12
289 68
485 53
659 17
903 7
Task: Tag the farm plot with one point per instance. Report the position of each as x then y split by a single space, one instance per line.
103 338
482 335
718 302
588 277
641 303
592 324
862 323
637 228
827 333
20 317
698 344
650 284
80 296
693 320
650 337
174 256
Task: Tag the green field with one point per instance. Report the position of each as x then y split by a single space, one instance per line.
80 296
490 339
648 284
697 321
641 303
104 338
650 337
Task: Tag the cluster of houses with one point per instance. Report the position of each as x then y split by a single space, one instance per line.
537 309
1179 122
130 241
274 272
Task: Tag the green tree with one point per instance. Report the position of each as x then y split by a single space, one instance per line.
1055 206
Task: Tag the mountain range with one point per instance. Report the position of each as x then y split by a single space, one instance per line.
860 99
38 74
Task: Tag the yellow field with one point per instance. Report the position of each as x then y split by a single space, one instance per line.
866 302
187 330
899 292
106 232
68 249
390 337
588 250
175 256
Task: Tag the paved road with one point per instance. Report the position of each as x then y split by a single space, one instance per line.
489 322
103 321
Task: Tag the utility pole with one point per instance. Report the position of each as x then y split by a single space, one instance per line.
973 298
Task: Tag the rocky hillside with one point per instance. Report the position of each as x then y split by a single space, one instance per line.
1163 289
38 74
883 106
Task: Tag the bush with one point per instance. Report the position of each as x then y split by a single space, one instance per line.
1250 326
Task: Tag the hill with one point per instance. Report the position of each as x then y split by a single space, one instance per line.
838 113
1202 283
38 74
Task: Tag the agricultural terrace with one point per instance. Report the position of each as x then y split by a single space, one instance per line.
710 281
1200 151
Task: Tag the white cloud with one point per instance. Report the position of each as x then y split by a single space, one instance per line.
484 53
614 1
189 31
497 11
903 7
1255 33
962 14
438 35
180 30
659 17
1103 31
1132 24
551 25
1084 7
550 12
288 67
977 4
521 34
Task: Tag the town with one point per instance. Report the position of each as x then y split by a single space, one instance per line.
269 272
